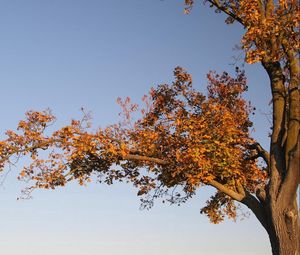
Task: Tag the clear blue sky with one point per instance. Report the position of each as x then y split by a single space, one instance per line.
68 54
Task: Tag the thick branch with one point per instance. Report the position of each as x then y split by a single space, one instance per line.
288 189
277 160
261 152
292 178
217 185
145 158
294 100
234 195
238 196
256 207
245 198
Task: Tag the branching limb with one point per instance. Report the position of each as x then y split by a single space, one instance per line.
261 152
245 198
236 196
256 207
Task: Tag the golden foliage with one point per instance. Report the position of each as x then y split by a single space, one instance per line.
271 27
183 140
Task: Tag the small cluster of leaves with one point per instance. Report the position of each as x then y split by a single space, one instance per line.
218 206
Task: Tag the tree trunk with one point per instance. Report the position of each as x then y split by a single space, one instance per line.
283 229
280 209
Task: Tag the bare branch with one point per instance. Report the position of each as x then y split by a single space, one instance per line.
226 10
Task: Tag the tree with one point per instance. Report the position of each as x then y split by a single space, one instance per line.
184 140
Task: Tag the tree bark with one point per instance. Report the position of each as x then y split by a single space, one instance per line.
280 207
283 229
280 219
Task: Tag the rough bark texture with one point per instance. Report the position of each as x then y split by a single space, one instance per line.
276 206
281 202
283 229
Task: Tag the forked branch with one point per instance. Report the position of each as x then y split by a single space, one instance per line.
261 152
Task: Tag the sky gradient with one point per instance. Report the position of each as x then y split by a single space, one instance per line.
68 54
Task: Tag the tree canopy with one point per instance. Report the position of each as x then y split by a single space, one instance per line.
182 141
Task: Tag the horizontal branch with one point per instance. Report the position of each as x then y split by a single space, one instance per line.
234 195
145 158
